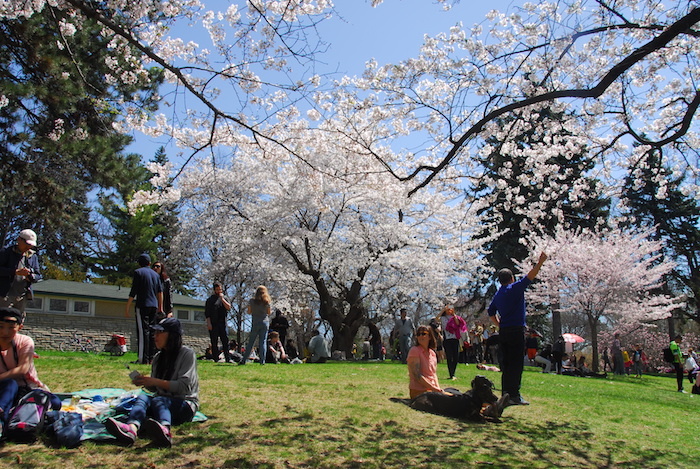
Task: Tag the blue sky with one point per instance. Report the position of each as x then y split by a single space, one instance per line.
394 30
389 33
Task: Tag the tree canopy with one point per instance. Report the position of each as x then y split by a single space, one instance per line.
383 163
58 143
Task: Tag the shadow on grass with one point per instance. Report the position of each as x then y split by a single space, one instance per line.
303 439
311 440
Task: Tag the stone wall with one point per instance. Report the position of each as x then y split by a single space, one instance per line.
49 330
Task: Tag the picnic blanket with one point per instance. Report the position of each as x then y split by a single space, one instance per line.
96 405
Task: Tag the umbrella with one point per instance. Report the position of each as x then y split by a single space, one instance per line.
573 338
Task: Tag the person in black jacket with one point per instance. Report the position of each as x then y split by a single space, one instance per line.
19 268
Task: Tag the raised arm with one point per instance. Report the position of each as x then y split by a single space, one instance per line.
536 269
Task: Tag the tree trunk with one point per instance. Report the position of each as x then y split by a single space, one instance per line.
556 325
593 325
344 326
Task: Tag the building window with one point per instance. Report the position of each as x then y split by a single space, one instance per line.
36 303
81 307
183 315
199 316
58 306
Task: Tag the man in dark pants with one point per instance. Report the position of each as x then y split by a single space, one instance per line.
675 347
507 311
216 310
280 324
147 289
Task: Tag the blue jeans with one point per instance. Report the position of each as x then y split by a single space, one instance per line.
404 346
8 393
166 410
257 331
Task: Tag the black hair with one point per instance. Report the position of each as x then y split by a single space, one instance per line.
165 367
505 276
163 271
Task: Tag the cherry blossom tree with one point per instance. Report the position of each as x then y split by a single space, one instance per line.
333 224
610 277
258 60
629 68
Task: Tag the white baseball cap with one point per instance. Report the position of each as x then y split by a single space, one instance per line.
28 236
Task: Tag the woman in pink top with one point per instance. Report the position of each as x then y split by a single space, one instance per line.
422 364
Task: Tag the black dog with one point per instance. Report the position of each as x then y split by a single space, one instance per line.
466 405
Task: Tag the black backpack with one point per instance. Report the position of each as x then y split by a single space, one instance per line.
668 355
27 417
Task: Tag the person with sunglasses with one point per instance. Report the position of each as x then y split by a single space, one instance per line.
167 284
422 364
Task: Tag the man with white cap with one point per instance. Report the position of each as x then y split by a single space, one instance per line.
19 268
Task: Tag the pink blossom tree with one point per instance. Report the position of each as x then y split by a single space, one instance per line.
610 277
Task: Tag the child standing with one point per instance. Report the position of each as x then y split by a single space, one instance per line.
637 361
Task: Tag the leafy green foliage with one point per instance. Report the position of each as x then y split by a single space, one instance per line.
57 140
654 197
569 165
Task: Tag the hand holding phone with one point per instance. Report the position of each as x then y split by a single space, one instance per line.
134 374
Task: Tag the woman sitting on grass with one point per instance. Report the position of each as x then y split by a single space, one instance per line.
174 381
422 364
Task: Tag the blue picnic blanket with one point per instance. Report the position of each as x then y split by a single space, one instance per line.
97 405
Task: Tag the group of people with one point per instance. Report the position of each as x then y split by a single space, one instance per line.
270 333
506 310
173 381
151 294
19 269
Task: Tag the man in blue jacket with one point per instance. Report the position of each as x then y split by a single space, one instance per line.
507 311
19 268
147 289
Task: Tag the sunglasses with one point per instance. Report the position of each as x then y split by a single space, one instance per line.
157 266
421 333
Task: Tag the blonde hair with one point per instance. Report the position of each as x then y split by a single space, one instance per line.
261 294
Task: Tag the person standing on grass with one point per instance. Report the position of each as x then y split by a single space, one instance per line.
216 311
618 361
259 309
280 324
19 269
404 330
637 360
159 268
147 289
507 311
173 387
675 347
452 327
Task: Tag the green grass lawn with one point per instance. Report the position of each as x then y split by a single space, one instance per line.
340 415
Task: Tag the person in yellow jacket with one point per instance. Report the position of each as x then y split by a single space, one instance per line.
677 360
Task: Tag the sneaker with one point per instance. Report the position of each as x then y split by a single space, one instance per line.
517 401
159 433
683 391
123 432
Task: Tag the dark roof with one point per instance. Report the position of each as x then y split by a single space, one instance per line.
99 292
